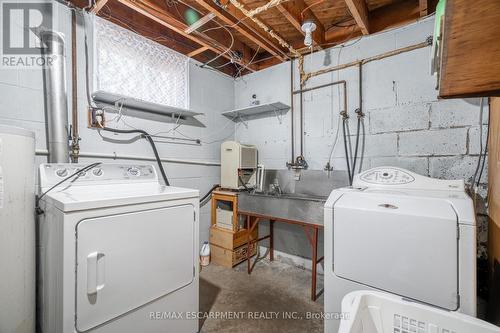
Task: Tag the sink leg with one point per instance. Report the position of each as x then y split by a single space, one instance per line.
271 240
248 244
314 263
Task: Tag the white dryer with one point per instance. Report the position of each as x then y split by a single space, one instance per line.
402 233
118 251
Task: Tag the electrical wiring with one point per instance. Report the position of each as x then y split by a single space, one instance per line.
344 42
227 26
238 74
86 51
151 142
76 175
308 7
482 154
481 111
225 52
220 130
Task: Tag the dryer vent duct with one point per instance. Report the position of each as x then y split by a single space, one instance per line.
56 96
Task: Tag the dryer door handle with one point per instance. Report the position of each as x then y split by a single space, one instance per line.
95 272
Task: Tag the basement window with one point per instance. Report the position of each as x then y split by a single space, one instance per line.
131 65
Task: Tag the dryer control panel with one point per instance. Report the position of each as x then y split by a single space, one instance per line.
52 173
395 177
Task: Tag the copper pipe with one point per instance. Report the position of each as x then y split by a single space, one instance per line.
306 76
302 91
75 145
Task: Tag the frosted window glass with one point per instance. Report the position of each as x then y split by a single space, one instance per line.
132 65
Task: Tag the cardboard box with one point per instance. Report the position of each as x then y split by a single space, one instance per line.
227 258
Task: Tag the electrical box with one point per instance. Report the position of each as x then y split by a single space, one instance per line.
238 165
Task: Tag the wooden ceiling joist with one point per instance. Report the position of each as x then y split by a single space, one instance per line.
96 8
423 6
197 51
255 37
296 12
157 14
359 11
272 34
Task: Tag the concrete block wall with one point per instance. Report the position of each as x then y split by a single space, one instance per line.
406 124
22 104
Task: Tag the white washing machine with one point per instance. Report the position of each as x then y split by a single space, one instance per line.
118 251
401 233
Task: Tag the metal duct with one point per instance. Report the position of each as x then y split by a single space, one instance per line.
56 97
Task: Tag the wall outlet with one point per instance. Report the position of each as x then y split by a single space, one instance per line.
96 117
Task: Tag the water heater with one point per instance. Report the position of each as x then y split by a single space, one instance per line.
17 230
238 165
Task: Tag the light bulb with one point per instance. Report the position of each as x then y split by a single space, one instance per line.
308 27
308 39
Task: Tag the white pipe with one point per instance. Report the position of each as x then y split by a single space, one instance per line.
114 156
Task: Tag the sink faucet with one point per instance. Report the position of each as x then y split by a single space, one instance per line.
276 188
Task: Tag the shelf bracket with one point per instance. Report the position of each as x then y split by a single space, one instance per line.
242 121
279 115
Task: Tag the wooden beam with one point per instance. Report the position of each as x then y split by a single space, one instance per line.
243 29
424 7
197 51
395 15
359 12
340 35
157 14
244 20
391 16
293 12
96 8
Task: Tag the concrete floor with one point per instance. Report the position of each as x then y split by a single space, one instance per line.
273 291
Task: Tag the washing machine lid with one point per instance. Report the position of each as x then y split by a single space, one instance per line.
404 245
74 198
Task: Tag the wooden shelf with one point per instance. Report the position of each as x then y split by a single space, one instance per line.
277 108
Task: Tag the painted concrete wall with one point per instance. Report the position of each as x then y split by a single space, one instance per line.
406 125
22 104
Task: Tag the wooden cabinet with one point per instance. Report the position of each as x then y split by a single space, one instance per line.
470 58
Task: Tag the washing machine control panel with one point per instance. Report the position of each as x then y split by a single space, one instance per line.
53 173
387 176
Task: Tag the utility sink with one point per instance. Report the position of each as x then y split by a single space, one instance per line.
296 196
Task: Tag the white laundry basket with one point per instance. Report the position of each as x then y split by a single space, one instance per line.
377 312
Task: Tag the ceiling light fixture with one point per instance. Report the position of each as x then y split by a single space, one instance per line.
308 27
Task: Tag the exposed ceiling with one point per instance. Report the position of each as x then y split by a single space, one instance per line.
234 44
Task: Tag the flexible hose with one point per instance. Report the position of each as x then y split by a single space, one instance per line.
356 150
346 151
151 142
209 193
363 145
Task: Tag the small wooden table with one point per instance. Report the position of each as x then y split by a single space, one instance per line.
311 230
